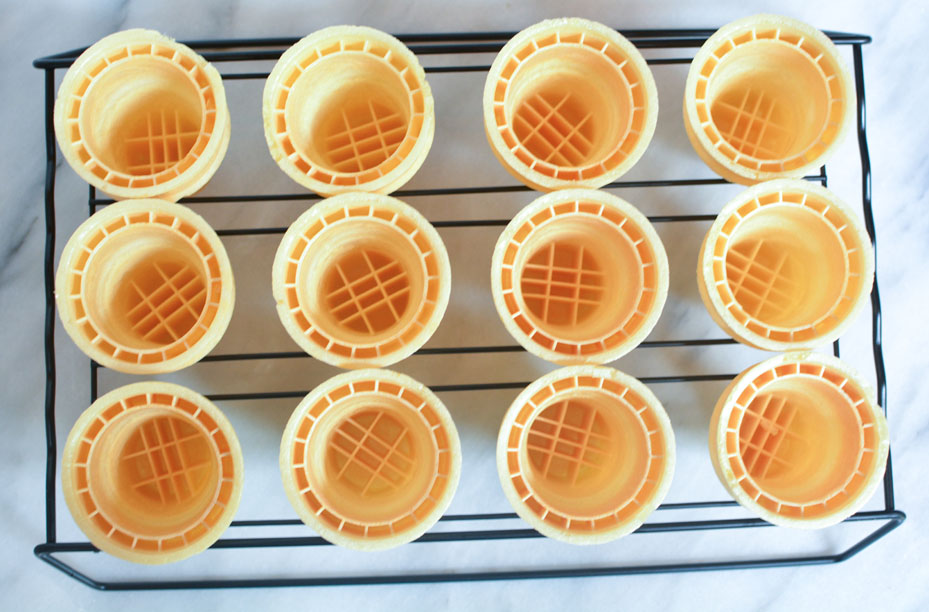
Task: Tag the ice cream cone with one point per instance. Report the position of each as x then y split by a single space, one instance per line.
579 276
799 440
767 97
585 454
370 459
569 103
361 280
141 116
785 266
145 286
348 109
152 473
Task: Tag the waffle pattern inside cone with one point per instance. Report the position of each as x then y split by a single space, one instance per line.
139 115
145 286
767 97
799 440
361 280
786 265
349 109
585 454
152 473
370 459
556 273
569 103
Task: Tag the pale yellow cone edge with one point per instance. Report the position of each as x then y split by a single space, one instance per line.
190 180
71 495
528 175
73 250
295 234
707 282
386 183
723 469
311 518
721 164
607 200
567 535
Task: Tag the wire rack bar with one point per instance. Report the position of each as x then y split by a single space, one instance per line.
431 44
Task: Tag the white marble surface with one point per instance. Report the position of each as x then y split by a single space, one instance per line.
892 574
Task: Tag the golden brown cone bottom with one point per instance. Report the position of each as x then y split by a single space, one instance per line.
799 440
145 286
767 97
785 266
569 103
361 280
585 454
152 473
141 116
348 109
370 459
579 276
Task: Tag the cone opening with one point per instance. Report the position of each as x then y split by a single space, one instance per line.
141 126
378 460
769 96
137 111
154 472
787 267
569 107
580 278
348 112
587 455
361 281
786 264
348 108
369 462
570 104
151 473
768 100
802 441
146 288
799 440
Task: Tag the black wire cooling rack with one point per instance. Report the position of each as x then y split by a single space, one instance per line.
230 52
